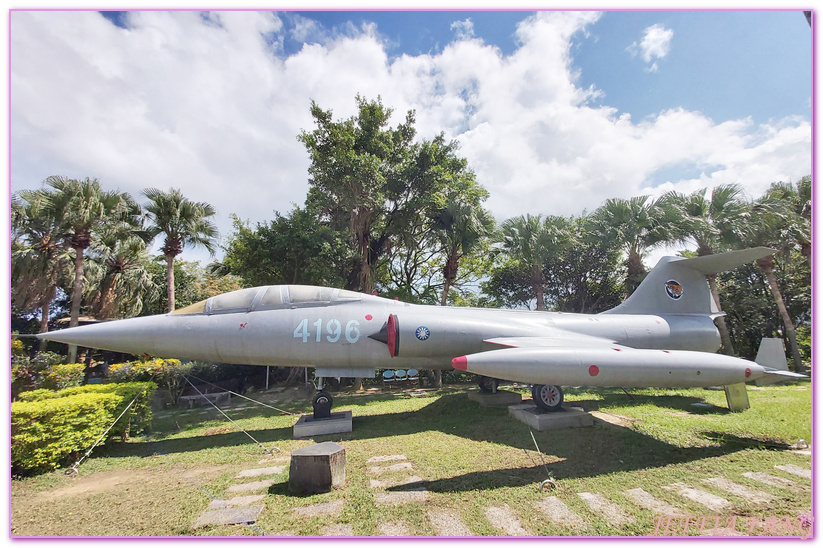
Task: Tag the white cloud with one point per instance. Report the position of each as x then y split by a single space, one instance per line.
463 30
215 110
654 45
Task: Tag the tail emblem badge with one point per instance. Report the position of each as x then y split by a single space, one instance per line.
674 289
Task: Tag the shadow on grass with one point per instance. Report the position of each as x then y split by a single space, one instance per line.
575 453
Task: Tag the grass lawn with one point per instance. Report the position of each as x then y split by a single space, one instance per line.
479 468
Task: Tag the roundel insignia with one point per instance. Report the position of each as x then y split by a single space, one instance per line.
674 289
422 333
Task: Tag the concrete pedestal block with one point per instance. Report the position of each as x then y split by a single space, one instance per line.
502 397
307 426
570 417
317 469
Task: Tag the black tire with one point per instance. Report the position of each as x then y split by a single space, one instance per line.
548 397
488 385
322 394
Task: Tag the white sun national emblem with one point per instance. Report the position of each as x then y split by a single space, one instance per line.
674 289
422 333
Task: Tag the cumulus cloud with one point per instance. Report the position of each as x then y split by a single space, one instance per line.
214 109
654 45
463 30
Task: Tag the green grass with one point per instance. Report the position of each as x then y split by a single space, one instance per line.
470 458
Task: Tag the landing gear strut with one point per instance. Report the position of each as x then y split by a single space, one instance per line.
548 397
488 385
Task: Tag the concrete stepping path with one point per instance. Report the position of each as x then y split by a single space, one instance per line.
647 501
257 472
229 516
796 470
337 530
413 483
774 481
606 509
385 458
394 529
375 470
753 496
235 501
251 486
447 524
559 513
396 498
503 519
712 502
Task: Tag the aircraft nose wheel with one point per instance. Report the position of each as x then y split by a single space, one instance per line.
322 405
548 397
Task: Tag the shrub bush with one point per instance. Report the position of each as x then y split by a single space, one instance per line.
64 375
50 428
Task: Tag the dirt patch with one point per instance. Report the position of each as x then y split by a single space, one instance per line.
219 430
95 483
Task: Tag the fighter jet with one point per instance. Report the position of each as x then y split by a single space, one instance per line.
663 335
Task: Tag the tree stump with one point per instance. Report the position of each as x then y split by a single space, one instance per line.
318 468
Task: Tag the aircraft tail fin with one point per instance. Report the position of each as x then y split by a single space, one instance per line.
678 286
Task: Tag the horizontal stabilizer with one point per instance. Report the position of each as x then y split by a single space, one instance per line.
712 264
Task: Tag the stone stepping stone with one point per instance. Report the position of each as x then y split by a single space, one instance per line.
374 470
796 470
337 530
805 452
754 496
385 458
229 516
774 481
503 519
252 486
257 472
712 502
447 524
606 509
397 498
647 501
559 513
394 529
235 501
380 484
321 509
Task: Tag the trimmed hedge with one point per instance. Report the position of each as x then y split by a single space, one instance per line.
50 429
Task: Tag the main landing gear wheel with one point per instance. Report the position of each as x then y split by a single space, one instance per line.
548 397
488 385
322 405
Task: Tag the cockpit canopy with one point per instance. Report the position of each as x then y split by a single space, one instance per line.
268 298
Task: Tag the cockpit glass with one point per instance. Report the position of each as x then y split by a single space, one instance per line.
235 300
346 295
272 298
308 294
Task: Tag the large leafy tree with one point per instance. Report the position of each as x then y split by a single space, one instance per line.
714 222
182 223
355 163
84 209
39 260
636 226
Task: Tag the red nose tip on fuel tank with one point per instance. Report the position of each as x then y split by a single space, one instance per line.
460 363
393 334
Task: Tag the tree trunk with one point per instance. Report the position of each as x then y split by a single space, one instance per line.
725 338
767 266
358 384
538 286
438 378
45 305
170 280
445 297
76 297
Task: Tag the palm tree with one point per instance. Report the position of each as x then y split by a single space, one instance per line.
183 222
460 226
637 225
122 278
531 240
83 209
778 221
713 223
38 260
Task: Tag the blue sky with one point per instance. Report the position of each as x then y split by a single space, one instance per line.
554 111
